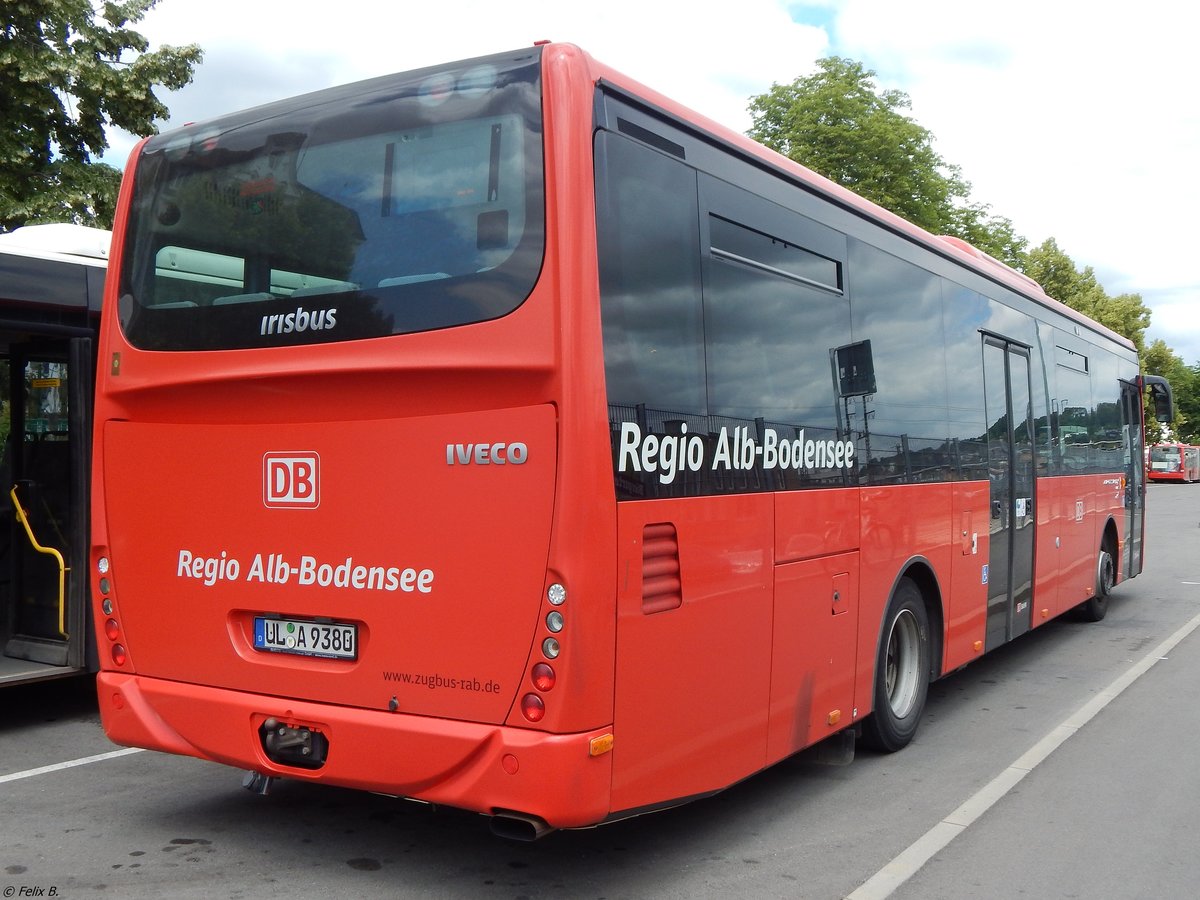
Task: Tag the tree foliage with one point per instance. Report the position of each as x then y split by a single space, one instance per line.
839 124
1160 359
1187 400
68 70
1126 314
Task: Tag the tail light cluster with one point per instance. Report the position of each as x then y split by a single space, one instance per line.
542 675
112 628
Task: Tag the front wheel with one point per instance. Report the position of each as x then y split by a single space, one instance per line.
901 671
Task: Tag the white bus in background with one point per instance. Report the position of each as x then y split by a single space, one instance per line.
51 284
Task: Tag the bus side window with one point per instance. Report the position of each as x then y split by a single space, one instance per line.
775 313
649 254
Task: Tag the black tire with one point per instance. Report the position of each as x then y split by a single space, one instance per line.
1095 607
901 672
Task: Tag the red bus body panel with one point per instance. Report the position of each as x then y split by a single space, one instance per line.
384 549
438 760
767 645
179 462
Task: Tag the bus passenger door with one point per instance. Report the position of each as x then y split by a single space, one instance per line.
45 462
1135 479
1011 469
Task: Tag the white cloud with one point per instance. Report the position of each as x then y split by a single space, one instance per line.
712 58
1078 123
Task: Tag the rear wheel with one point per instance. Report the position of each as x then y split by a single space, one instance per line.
1095 607
901 671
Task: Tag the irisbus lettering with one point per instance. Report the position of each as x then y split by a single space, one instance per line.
300 320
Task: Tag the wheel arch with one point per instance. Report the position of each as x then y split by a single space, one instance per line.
1095 607
920 571
889 726
1110 540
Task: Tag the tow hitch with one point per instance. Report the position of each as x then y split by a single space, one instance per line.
293 745
257 783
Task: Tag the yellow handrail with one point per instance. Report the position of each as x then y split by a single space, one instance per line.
62 566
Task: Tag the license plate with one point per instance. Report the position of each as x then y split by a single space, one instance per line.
331 640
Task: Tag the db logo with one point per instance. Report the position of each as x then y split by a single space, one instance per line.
292 480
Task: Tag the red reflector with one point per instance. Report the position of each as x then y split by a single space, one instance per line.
118 654
533 707
543 677
112 629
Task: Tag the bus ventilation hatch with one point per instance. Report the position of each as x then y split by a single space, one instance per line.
661 585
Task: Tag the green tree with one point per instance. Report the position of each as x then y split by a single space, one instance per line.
1056 272
839 124
1160 359
1127 315
68 70
1187 399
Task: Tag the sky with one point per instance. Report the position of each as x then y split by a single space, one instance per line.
1076 121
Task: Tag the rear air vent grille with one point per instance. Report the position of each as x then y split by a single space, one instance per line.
661 585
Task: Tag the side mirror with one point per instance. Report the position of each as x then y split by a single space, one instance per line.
1161 397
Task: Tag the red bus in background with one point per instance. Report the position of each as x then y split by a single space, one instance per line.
505 435
1173 462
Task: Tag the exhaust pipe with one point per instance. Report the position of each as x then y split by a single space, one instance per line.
257 783
516 826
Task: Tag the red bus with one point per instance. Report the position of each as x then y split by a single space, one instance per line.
51 286
504 435
1173 462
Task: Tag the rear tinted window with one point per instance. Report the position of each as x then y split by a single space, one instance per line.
403 204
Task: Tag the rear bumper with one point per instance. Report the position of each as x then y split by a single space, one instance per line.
484 768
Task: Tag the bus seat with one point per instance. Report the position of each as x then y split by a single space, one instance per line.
258 297
316 290
412 279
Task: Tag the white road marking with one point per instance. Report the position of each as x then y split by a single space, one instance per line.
69 764
884 882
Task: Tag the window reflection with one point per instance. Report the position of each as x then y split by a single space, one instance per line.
750 348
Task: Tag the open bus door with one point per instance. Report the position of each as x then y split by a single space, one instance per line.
44 627
1132 398
1135 479
1011 473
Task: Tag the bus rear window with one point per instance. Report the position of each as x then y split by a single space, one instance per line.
407 203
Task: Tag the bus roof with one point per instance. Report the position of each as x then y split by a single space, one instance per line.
59 240
952 248
57 265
